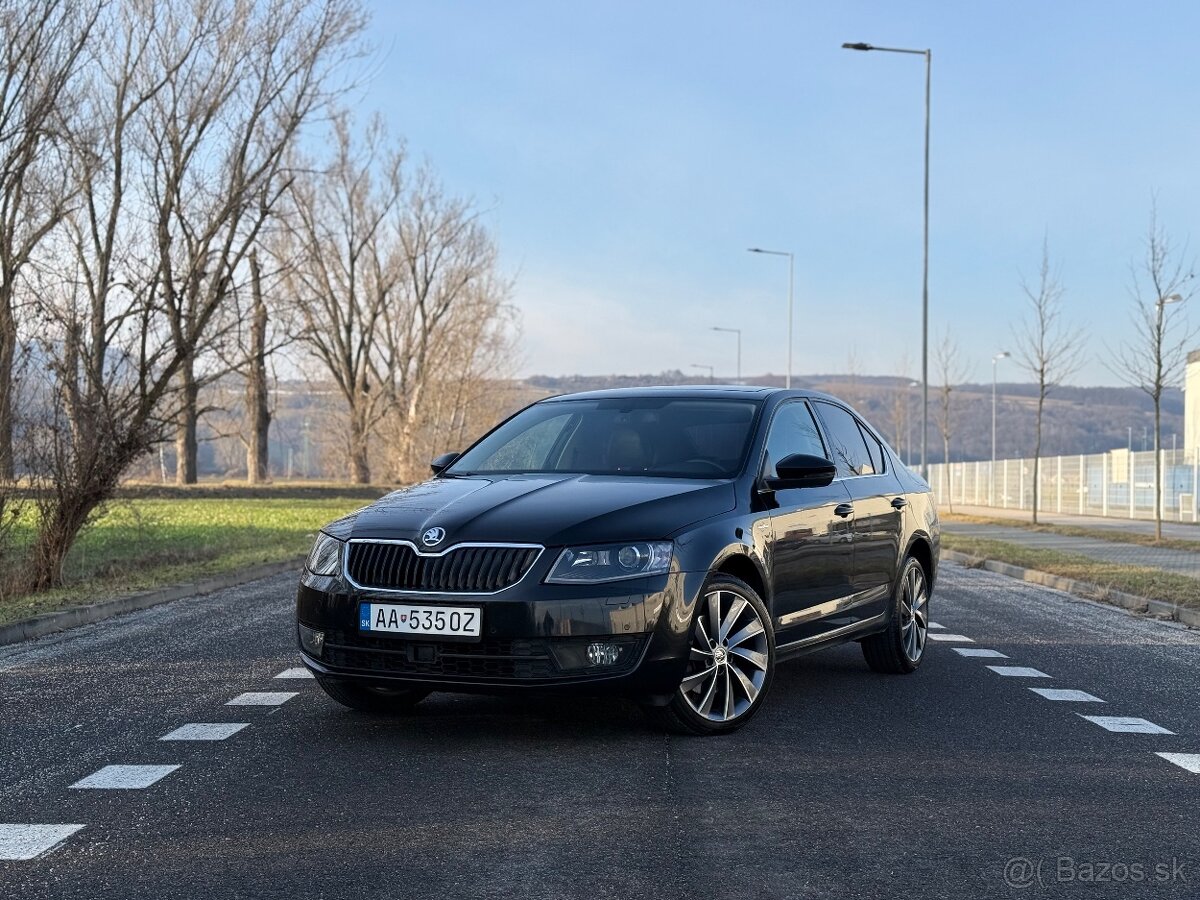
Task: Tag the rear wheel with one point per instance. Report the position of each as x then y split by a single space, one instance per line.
731 660
901 646
371 698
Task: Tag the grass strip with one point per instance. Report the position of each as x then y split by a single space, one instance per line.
1114 535
142 544
1142 581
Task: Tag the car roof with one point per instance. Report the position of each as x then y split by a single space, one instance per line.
692 391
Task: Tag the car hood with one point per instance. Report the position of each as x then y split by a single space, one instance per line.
551 510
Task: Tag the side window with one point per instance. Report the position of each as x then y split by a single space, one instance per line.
849 448
792 431
874 448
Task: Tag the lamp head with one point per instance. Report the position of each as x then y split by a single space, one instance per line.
857 46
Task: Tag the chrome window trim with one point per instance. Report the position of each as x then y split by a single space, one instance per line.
406 543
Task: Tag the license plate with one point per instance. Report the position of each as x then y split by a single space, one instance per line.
401 618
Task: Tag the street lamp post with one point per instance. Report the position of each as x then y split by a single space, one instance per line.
791 258
710 370
928 54
738 332
1003 354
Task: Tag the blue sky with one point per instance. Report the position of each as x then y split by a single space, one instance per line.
629 152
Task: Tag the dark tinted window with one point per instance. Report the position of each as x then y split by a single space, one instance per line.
848 446
792 431
874 448
650 436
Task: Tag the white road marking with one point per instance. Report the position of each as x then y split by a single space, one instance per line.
204 731
125 777
934 626
1126 724
1189 761
979 651
29 841
295 673
1018 672
1061 694
262 698
951 637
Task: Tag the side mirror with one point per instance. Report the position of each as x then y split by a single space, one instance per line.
441 463
801 470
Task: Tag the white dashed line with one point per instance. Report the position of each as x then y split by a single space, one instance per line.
204 731
295 673
1018 672
934 626
125 777
29 841
962 638
1189 761
979 651
262 698
1070 696
1126 724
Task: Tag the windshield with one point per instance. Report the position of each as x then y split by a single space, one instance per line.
660 436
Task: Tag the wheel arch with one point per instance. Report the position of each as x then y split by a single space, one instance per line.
742 565
921 549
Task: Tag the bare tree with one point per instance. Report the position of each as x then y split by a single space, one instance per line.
152 262
258 401
900 396
1047 347
344 233
43 41
1155 355
449 264
952 370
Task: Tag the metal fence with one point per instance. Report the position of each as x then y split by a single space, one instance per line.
1118 484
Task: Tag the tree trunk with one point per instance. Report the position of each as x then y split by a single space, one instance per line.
258 463
949 476
8 351
56 534
360 466
1037 455
404 467
1158 473
185 434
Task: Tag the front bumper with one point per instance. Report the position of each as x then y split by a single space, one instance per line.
534 636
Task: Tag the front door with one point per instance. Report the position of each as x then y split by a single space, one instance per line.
812 534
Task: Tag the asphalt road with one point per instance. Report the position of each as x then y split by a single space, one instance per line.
954 782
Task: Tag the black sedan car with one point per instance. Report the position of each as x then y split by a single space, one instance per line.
671 544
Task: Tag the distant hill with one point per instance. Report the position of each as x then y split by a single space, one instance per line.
1077 419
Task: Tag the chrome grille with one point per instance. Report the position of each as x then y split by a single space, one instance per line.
468 569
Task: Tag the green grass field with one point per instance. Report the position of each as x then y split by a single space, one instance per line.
149 539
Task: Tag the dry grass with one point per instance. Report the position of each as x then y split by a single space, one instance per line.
1141 581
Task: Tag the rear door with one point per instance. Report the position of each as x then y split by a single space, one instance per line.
878 522
812 546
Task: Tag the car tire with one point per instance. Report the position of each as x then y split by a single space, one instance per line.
899 649
372 699
723 689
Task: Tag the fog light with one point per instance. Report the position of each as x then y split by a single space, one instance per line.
312 640
603 654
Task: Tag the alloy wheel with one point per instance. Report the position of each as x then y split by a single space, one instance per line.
728 659
914 613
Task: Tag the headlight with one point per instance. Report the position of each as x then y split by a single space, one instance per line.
611 562
325 557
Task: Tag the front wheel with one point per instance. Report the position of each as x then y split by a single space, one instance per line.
371 698
731 661
900 647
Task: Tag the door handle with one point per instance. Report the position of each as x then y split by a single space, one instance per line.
899 503
843 510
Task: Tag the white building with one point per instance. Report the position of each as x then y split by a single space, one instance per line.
1191 403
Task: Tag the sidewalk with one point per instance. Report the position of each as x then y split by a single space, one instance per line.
1179 562
1181 530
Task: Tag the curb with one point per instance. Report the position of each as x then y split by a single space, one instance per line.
1158 609
73 617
